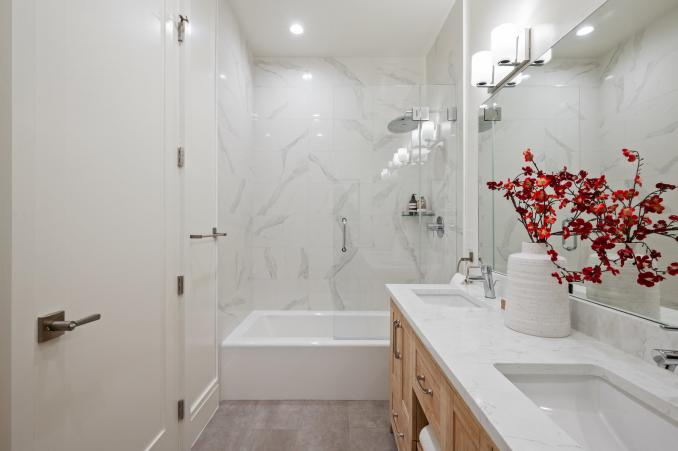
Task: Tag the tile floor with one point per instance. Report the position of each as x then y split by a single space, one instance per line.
298 426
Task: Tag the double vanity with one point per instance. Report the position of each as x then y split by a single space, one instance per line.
478 385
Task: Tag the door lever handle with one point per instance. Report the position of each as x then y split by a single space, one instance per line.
55 325
70 325
214 234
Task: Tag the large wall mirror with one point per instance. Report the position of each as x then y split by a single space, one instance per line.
611 84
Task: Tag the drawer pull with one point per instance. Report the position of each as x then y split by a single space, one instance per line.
399 434
396 326
420 380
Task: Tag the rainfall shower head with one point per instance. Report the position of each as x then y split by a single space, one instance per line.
403 124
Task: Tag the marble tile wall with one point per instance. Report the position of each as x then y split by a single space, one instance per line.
234 113
320 143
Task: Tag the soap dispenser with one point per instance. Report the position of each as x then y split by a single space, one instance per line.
413 204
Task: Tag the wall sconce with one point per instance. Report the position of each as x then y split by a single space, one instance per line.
510 54
510 44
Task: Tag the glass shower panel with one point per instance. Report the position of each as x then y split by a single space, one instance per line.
383 158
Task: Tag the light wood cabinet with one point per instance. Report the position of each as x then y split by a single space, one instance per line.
421 394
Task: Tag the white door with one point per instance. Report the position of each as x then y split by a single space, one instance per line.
201 381
90 200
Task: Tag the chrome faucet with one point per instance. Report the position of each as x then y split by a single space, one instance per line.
485 276
488 281
666 358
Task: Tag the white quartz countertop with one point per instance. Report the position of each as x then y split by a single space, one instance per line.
468 342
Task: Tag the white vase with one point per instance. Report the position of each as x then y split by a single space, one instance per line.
623 291
536 303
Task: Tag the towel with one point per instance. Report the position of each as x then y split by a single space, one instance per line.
428 440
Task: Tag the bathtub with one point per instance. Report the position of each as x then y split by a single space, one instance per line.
341 355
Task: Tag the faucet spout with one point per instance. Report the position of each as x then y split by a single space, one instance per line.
666 358
488 281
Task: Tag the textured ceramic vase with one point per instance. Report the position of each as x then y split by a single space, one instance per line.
536 303
623 291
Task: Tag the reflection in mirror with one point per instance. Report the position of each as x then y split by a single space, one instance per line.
610 85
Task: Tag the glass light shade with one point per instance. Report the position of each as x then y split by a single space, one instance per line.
504 39
501 72
396 160
481 68
545 58
516 80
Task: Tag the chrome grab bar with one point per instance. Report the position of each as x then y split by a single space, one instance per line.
565 223
396 326
427 391
343 222
214 234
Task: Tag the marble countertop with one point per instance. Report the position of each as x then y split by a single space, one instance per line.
468 342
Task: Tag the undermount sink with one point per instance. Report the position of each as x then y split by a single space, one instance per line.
589 404
448 298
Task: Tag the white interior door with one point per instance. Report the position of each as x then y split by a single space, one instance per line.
201 381
90 230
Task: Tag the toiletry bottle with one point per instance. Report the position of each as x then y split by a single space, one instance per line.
422 203
413 204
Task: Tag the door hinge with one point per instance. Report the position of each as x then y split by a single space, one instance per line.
180 285
181 157
180 409
181 28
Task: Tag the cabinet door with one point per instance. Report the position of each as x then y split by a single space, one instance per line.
486 443
467 431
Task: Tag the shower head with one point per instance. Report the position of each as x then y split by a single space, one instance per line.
403 124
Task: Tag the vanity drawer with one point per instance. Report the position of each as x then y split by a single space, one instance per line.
428 384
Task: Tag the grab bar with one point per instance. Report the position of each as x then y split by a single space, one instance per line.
396 326
344 221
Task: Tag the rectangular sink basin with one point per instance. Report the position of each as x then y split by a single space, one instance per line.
592 405
447 298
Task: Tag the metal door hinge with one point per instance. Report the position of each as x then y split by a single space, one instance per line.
181 157
181 28
180 285
180 409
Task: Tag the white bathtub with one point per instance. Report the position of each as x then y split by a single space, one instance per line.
307 355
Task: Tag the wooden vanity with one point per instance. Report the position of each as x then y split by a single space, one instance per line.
420 394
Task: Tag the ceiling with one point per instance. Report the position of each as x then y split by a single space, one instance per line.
615 21
360 28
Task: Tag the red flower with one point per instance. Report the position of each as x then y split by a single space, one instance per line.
672 269
528 155
630 155
543 233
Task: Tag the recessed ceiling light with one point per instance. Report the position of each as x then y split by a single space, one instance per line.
307 76
297 29
222 76
526 76
586 29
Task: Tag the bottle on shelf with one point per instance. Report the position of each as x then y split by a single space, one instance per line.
412 206
422 203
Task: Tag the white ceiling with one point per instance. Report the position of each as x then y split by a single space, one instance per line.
342 27
614 21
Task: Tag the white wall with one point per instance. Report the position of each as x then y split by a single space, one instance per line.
5 218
